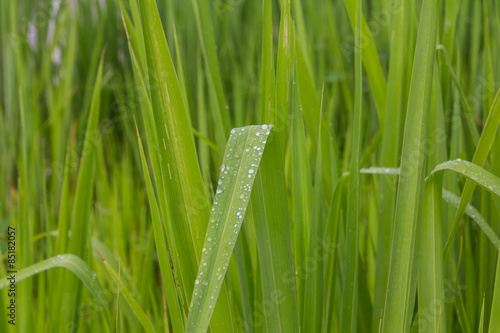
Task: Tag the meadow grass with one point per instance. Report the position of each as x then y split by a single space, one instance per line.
250 166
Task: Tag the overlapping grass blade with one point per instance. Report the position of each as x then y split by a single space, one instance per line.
482 150
398 304
83 201
71 262
238 171
143 318
349 318
272 233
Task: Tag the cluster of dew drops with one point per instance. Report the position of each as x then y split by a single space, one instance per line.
228 171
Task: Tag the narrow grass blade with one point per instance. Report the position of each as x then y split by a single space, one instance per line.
431 299
283 74
370 59
238 171
495 306
473 172
349 319
267 75
475 215
176 313
302 193
313 303
143 318
398 304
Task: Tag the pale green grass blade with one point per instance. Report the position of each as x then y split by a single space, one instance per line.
475 173
495 307
481 318
272 233
475 215
238 171
398 304
71 262
143 318
349 319
482 150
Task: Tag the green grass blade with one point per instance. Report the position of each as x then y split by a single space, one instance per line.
475 215
495 306
349 317
430 279
283 74
391 147
398 302
176 313
371 60
475 173
272 233
69 261
267 75
143 318
301 193
482 150
238 171
313 303
83 201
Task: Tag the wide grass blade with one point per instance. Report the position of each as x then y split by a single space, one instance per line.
272 233
238 171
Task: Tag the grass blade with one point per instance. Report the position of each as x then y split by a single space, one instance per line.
270 211
398 300
238 171
349 317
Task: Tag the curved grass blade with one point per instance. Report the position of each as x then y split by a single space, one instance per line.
482 150
473 172
241 162
70 262
475 215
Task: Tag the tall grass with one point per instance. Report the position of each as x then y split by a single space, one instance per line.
251 166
